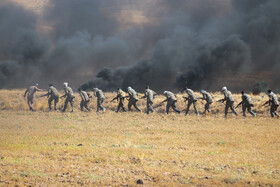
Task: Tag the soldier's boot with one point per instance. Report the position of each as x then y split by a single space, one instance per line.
55 106
72 109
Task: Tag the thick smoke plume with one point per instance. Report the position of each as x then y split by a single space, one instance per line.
202 44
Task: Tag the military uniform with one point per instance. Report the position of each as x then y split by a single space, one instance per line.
69 98
133 99
85 100
246 105
120 97
171 101
274 103
149 94
100 99
31 95
209 100
229 102
191 101
53 96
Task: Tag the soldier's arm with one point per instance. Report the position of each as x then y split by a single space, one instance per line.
144 96
39 90
267 102
239 104
221 100
47 94
186 98
89 96
25 92
115 98
164 101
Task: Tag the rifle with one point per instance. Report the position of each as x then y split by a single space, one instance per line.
114 99
47 94
221 101
239 104
159 105
267 102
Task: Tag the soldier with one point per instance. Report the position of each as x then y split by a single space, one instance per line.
31 95
171 101
229 101
273 102
100 98
120 97
133 99
69 97
192 98
149 94
84 99
209 100
52 95
246 104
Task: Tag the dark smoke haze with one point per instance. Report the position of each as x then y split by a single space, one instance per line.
202 44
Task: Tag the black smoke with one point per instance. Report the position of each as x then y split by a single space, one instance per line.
202 44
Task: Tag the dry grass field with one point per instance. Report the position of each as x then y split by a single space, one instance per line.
45 148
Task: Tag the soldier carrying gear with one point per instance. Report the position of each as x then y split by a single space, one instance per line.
69 97
120 97
84 99
229 101
31 95
246 104
149 94
171 101
100 98
191 100
208 98
52 95
132 99
273 102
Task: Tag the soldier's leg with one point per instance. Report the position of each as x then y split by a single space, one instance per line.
86 105
207 107
167 107
50 102
65 104
194 106
226 109
244 110
249 109
100 105
136 106
72 104
272 111
119 106
82 105
188 107
30 102
122 105
173 105
148 107
232 108
151 107
55 102
276 114
129 105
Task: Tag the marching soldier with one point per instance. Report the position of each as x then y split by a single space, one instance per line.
149 94
100 98
31 95
229 101
132 99
84 99
52 95
171 101
69 97
246 104
191 100
273 102
209 100
120 97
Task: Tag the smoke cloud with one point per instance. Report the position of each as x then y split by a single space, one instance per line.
168 45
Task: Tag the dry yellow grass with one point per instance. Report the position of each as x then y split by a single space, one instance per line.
86 148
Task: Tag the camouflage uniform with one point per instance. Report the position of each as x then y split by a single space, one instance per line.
273 100
229 102
209 100
69 98
100 99
85 100
171 101
191 100
120 96
149 94
53 96
31 95
133 99
246 104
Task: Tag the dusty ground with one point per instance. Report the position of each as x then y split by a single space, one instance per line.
85 148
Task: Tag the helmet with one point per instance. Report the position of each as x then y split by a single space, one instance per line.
65 84
224 88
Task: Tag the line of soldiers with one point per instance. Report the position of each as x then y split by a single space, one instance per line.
132 97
